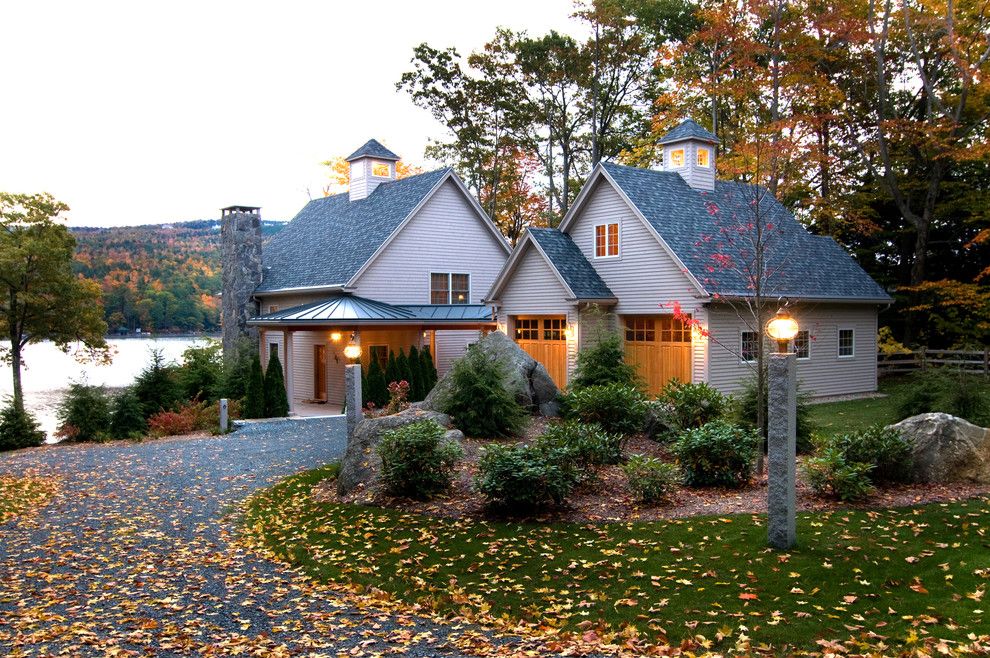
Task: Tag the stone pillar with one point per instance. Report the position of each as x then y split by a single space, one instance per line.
352 396
240 258
223 415
782 450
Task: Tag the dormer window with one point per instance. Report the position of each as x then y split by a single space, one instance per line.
606 240
677 158
704 157
381 169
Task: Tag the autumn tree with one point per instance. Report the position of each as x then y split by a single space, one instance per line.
518 204
41 298
340 174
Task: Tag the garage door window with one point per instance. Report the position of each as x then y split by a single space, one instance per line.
527 329
641 330
553 329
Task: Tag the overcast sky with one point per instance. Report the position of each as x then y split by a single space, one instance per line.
138 112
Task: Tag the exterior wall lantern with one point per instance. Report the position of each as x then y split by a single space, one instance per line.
782 434
335 336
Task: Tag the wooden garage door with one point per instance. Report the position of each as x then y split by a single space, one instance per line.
542 337
659 347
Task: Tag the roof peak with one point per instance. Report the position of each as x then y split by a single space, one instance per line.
373 149
689 129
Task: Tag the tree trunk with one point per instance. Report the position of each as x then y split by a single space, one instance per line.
15 367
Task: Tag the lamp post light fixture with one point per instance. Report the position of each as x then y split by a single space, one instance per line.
782 434
352 351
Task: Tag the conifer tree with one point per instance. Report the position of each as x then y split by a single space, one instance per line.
377 390
402 366
276 400
391 369
254 401
127 416
416 392
429 370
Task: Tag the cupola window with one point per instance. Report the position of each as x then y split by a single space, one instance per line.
677 158
381 169
704 157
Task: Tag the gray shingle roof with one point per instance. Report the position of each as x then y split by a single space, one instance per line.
333 237
709 233
351 309
373 148
688 129
570 263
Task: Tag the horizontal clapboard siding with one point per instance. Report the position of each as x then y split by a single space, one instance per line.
534 289
451 346
824 373
643 276
444 236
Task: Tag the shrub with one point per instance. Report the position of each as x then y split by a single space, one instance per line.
237 368
157 386
126 416
616 407
170 423
603 364
276 402
948 391
376 388
200 377
524 477
716 454
683 405
478 397
416 382
254 399
416 461
84 413
18 428
832 474
651 479
587 444
428 371
888 453
398 398
744 408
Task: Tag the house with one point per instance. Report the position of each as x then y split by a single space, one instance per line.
390 264
667 258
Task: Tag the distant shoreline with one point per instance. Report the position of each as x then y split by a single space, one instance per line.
154 336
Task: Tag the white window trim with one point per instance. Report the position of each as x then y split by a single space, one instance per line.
805 358
838 343
741 359
618 237
709 152
450 291
670 153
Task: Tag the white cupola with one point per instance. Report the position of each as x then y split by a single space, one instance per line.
689 150
371 165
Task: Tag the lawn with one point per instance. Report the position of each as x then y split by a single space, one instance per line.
23 494
886 578
839 417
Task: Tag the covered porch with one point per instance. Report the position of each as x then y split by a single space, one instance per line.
310 341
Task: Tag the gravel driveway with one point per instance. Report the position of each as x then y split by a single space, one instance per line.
134 555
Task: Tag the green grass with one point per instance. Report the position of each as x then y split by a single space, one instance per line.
902 573
833 418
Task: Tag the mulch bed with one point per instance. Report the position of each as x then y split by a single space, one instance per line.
608 497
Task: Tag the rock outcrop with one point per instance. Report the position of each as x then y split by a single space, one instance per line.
361 465
947 449
534 388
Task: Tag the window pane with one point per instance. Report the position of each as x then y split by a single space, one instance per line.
599 241
613 239
439 288
750 345
460 288
553 329
527 329
272 349
802 344
677 158
703 155
846 342
381 169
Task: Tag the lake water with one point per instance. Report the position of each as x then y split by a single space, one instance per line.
47 371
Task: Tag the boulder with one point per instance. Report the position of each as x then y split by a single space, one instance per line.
361 464
947 449
531 382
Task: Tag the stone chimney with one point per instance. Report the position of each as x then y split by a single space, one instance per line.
689 150
371 165
240 257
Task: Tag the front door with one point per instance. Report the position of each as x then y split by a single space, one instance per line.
320 372
543 338
659 347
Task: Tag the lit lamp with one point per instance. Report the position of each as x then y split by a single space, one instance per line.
335 336
352 351
569 332
782 328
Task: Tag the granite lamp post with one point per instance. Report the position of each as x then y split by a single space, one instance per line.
782 434
352 387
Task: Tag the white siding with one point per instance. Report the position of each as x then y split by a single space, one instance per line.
444 236
643 276
535 290
450 346
824 373
700 178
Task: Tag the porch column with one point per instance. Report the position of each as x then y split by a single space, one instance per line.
287 342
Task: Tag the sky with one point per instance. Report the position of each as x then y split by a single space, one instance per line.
139 112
